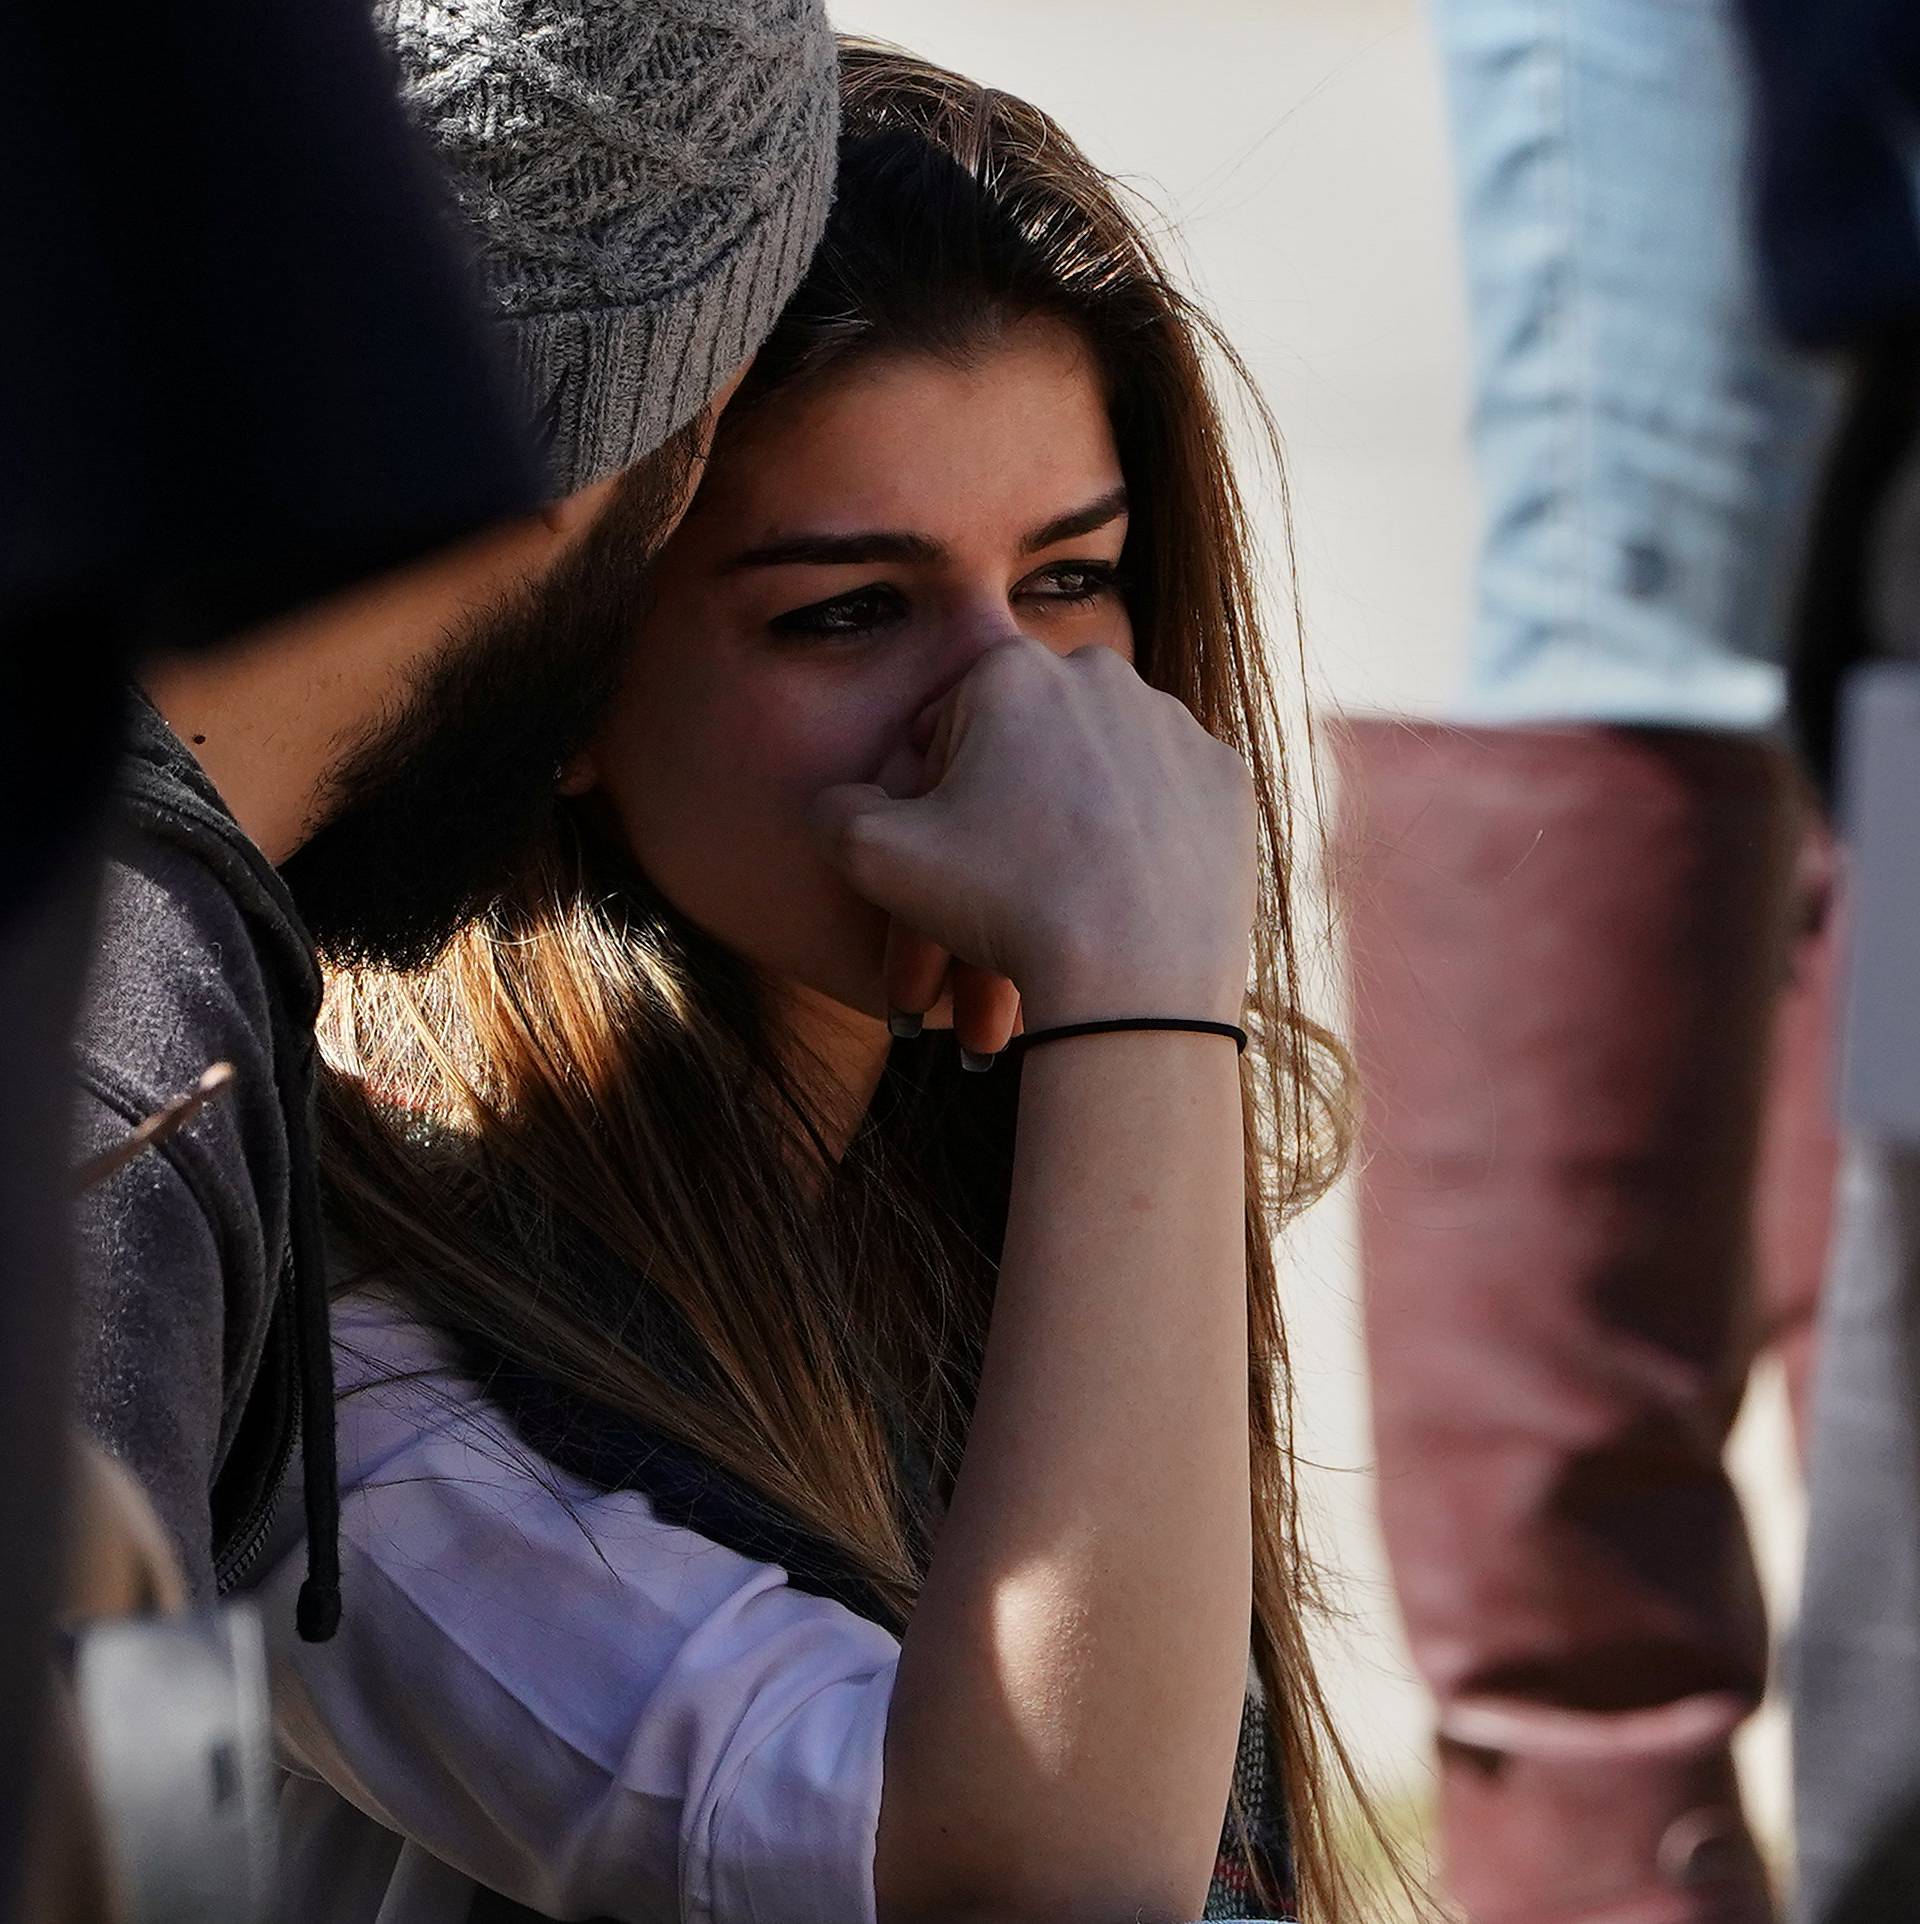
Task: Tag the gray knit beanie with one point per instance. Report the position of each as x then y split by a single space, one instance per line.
646 181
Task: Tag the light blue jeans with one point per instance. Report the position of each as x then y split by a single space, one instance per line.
1644 444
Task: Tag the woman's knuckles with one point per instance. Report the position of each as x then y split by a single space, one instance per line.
1074 805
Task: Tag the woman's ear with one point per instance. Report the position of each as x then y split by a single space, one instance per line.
579 775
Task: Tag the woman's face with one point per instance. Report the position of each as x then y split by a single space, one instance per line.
851 551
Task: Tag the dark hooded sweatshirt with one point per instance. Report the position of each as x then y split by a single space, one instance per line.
201 1311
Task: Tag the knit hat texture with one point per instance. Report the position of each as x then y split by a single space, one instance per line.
646 181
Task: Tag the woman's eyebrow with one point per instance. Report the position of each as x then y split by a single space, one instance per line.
896 544
1096 514
838 550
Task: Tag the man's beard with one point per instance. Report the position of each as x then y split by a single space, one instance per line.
429 813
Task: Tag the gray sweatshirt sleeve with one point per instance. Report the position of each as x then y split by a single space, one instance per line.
180 1250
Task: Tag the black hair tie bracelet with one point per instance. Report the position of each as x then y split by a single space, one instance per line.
1186 1025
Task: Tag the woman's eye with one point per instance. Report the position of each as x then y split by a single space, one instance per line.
849 614
1074 581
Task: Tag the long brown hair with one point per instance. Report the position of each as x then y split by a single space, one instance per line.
572 1139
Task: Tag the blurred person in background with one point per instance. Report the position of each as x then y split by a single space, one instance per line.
246 370
1590 975
1838 88
774 1487
364 776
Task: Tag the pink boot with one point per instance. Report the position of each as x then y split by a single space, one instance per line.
1567 947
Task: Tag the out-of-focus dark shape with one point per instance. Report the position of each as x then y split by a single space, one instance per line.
242 362
1835 621
1838 165
238 369
1836 84
1837 90
43 958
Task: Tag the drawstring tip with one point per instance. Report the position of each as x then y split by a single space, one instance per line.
317 1613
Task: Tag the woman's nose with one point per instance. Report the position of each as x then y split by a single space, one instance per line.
963 644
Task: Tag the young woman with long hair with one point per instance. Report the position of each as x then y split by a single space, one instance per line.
799 1462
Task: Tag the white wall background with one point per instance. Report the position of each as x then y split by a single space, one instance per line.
1297 150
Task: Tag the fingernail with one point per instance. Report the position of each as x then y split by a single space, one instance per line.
903 1024
977 1064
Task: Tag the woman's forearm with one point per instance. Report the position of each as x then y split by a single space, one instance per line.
1063 1728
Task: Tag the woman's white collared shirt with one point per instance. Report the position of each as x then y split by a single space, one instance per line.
541 1688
